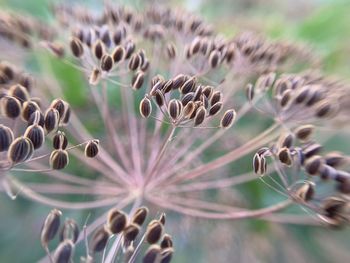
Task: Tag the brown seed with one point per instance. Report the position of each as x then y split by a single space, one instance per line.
216 97
76 47
99 239
56 49
140 215
118 36
335 159
99 49
159 97
134 62
178 81
11 107
19 92
117 221
129 49
131 231
69 231
59 159
313 165
285 98
328 172
29 107
215 109
154 232
256 163
187 98
166 242
263 165
61 106
118 54
36 118
168 86
91 148
195 46
64 252
189 109
51 119
304 132
286 140
208 91
50 227
36 135
188 86
174 109
95 77
145 107
171 51
333 206
20 150
166 255
137 80
312 149
214 58
200 116
162 218
228 119
284 156
324 110
302 95
306 191
6 137
152 255
106 62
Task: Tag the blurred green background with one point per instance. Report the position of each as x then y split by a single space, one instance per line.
325 26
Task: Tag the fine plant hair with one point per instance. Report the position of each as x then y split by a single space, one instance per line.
165 91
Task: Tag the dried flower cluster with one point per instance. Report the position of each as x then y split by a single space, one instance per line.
170 91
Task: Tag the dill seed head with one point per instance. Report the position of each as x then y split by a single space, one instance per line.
20 150
118 54
304 132
166 242
131 231
52 117
11 107
116 221
69 231
200 116
228 119
137 80
152 255
76 47
166 255
99 239
154 231
313 164
59 159
91 148
106 62
95 77
36 135
19 92
145 107
50 227
64 252
6 137
284 156
140 215
306 192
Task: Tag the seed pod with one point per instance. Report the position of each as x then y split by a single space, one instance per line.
130 232
187 98
145 107
60 105
168 86
129 49
228 118
106 39
59 159
99 239
145 65
174 109
328 172
157 86
313 165
20 150
162 218
284 156
198 94
335 159
91 148
6 137
166 242
208 91
137 80
76 47
152 255
98 49
256 163
36 118
304 132
306 191
69 231
263 165
11 107
36 134
118 54
29 107
95 77
64 252
171 50
116 221
60 141
216 97
159 97
189 109
51 119
178 81
323 110
140 215
117 36
286 140
195 46
312 149
214 58
215 109
333 206
200 116
19 92
166 255
134 62
285 98
50 227
106 62
188 86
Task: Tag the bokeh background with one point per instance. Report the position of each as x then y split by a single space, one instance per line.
322 24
